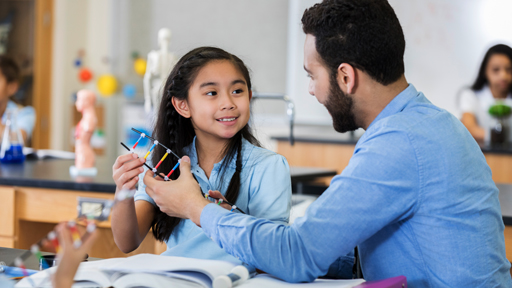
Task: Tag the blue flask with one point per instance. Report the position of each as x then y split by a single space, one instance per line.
11 150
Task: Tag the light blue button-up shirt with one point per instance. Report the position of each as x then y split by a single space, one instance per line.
25 117
416 197
265 192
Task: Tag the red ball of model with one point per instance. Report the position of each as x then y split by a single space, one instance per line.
85 75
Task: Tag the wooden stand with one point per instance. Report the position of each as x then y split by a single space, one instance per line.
28 214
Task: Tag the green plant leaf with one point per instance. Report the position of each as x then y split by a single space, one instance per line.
500 110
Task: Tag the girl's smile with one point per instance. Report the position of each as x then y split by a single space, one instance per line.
228 120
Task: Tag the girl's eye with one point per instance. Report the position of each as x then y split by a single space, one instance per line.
211 93
238 91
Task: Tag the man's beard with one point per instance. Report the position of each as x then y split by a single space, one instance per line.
340 106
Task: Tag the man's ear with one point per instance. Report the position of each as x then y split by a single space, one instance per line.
181 107
12 88
346 77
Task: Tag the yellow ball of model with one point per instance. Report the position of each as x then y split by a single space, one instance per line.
107 85
140 66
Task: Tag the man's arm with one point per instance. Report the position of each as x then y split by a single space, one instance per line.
378 187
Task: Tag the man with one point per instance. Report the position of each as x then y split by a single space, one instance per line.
417 197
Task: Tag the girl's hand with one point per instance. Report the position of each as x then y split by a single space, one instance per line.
70 257
179 198
126 170
217 195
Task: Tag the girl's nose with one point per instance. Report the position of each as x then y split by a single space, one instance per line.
227 103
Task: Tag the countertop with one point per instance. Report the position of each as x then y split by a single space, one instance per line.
327 135
54 174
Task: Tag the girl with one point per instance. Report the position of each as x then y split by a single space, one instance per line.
204 114
494 82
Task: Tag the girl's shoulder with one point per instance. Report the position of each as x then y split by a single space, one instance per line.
253 155
483 94
20 108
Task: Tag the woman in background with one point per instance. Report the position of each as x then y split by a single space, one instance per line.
493 83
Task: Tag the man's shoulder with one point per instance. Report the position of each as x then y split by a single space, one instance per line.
416 127
414 118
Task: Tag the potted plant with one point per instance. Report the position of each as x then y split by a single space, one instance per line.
499 132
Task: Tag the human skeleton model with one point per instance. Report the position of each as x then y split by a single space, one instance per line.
84 154
159 64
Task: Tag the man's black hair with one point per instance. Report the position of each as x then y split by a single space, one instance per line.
363 33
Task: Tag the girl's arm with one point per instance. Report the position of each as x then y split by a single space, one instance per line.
131 220
469 105
469 120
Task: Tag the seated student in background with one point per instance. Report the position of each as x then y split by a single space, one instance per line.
204 113
9 82
493 83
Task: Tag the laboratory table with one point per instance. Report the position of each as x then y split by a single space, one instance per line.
37 194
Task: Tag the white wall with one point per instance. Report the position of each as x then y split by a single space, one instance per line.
69 36
256 31
445 43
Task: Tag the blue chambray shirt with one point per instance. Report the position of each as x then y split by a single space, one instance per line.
417 198
265 192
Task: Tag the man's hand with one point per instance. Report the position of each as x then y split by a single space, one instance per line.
180 198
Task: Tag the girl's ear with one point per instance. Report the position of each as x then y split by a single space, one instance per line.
181 107
250 95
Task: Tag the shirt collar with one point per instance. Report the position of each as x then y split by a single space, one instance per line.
397 104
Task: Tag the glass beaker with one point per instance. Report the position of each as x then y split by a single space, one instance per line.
11 150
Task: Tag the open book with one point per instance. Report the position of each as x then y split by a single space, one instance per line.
32 153
154 271
143 270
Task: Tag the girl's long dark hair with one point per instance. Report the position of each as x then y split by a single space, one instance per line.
481 79
176 132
